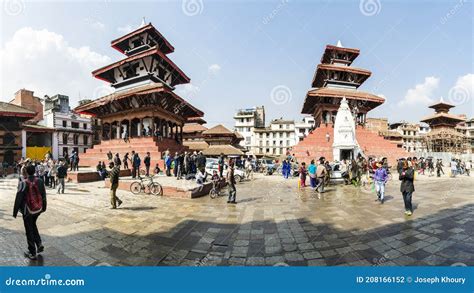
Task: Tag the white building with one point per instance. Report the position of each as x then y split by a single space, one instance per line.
303 127
411 134
73 132
246 120
276 139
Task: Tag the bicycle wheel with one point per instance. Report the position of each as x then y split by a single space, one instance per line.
213 193
136 187
156 189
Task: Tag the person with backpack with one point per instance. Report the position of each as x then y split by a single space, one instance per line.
61 174
30 201
114 182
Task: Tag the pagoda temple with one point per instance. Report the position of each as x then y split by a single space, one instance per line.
444 136
144 106
336 79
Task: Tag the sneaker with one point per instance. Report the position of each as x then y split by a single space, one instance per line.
119 203
40 248
381 201
30 255
406 212
409 213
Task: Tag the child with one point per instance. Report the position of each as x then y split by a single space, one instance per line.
157 169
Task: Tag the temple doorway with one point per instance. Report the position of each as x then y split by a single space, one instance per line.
347 154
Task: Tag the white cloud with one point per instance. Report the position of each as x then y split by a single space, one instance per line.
187 90
94 23
44 62
214 69
125 29
422 93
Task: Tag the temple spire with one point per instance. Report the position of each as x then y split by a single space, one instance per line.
339 44
143 22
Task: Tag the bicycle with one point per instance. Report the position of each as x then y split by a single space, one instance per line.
152 187
216 188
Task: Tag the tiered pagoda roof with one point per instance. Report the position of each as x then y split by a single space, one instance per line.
145 79
441 117
335 79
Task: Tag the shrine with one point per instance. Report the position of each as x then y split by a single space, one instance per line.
444 136
144 113
335 87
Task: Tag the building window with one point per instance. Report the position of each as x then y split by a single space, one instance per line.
85 125
64 123
76 139
86 139
65 137
281 126
74 125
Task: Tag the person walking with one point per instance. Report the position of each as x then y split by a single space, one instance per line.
117 161
72 159
468 166
312 174
321 174
168 161
136 161
114 182
303 173
220 164
231 182
30 201
380 179
147 162
61 175
125 160
454 168
53 170
407 187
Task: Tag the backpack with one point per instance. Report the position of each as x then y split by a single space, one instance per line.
34 200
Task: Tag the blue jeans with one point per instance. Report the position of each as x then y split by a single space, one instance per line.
380 189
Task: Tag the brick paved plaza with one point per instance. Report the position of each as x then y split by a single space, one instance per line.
273 224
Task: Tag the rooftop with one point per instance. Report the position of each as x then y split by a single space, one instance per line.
12 110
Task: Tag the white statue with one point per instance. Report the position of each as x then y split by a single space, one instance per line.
345 145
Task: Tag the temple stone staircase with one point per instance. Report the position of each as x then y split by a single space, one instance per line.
140 145
315 145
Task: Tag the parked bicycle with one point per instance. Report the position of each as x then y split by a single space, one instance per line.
142 185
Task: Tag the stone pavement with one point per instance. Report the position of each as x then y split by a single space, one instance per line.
273 223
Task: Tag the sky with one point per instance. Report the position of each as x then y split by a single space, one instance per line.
241 54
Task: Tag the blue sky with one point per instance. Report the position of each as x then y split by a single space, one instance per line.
237 52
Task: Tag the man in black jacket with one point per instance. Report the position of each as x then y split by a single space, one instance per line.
30 216
147 162
407 187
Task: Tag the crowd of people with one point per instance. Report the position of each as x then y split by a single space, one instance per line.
37 176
